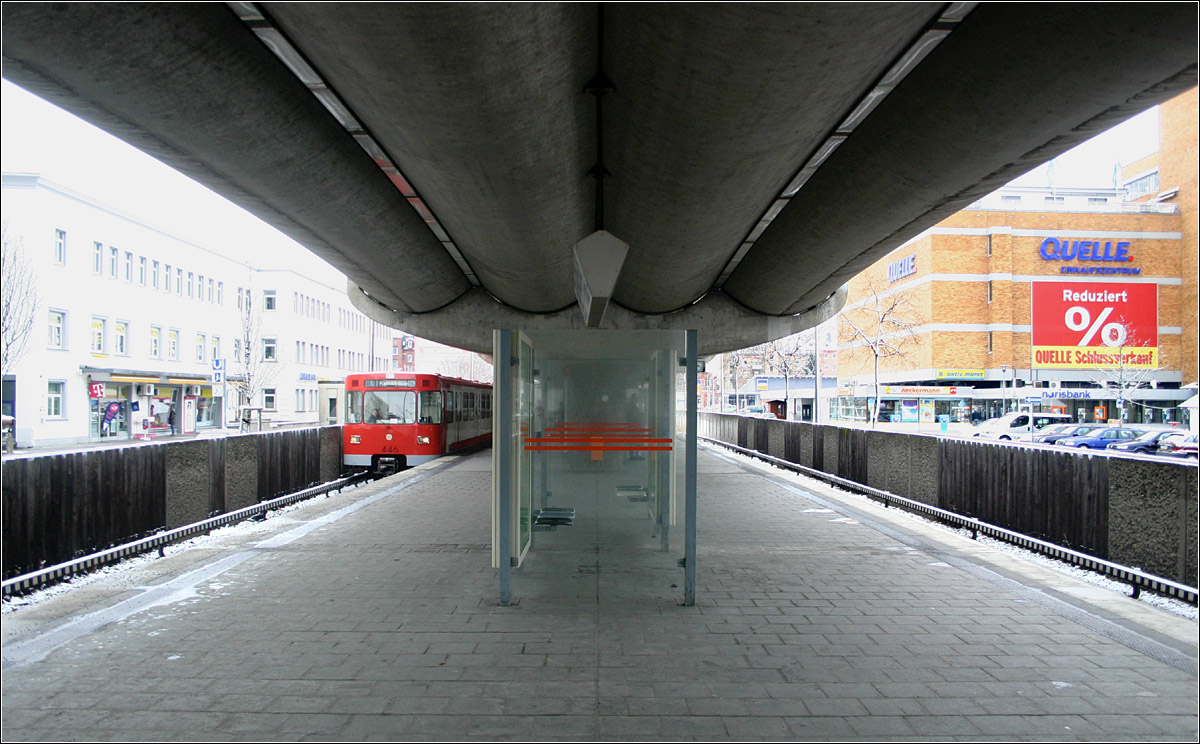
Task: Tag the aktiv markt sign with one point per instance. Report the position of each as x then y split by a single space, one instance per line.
1093 326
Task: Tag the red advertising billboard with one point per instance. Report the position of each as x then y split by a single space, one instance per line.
1083 325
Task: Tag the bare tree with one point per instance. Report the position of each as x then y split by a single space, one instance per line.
256 359
884 322
20 300
467 366
791 356
1124 363
740 359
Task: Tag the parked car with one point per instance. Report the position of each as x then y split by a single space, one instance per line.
1101 438
1179 444
1011 424
1030 436
1051 434
1146 443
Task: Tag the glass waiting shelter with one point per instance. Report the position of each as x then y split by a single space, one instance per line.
594 464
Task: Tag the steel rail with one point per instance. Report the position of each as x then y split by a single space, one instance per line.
159 540
1137 580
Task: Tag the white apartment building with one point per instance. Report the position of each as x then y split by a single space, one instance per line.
308 335
134 324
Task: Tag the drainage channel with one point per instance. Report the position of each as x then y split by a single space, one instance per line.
1137 580
37 646
159 541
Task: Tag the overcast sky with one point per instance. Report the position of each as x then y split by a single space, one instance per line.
41 138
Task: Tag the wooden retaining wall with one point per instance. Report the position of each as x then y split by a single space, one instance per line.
60 506
1133 511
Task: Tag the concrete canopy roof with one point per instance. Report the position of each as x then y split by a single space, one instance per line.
463 168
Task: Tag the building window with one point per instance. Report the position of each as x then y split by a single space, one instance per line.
58 330
1097 200
201 346
191 277
54 398
299 399
99 335
1139 187
173 344
154 274
269 354
220 293
156 342
60 246
268 299
1010 199
112 262
167 278
237 350
989 245
128 266
215 348
989 291
179 282
97 258
210 289
121 337
239 298
1055 199
142 270
989 342
268 399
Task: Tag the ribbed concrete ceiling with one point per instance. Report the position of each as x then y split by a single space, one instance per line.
484 141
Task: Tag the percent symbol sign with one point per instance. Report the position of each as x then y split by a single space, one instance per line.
1078 318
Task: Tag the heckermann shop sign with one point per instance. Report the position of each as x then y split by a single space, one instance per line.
1089 256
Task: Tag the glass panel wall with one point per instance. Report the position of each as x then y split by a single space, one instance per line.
596 460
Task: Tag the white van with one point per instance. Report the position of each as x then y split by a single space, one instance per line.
1010 425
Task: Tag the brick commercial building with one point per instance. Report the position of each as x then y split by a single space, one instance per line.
1080 301
1170 176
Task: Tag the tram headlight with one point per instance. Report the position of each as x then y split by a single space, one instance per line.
355 439
422 440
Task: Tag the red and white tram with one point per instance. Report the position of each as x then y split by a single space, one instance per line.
397 420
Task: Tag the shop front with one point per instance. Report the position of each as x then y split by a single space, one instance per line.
1100 405
909 404
141 405
197 404
109 411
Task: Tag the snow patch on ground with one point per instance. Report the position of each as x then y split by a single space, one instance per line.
1175 606
233 532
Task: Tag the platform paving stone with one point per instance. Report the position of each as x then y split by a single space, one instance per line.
820 617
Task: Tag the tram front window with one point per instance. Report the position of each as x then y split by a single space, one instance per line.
391 407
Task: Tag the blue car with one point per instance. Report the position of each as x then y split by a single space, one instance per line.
1146 443
1101 438
1052 434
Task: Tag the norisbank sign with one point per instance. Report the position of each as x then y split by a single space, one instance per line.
1082 256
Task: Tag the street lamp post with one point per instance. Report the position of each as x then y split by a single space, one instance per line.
1003 388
